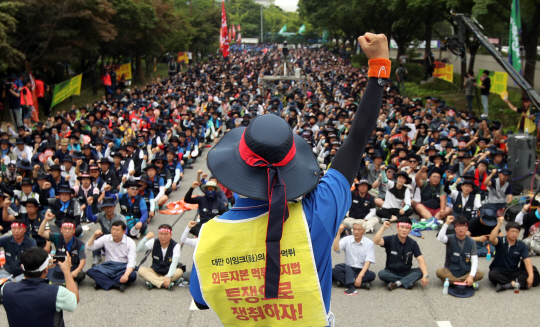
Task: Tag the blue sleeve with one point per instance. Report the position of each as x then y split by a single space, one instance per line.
144 211
90 215
151 197
179 166
161 182
33 242
52 193
117 196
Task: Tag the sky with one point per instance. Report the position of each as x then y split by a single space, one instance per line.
287 5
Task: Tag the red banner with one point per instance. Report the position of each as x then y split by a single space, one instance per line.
35 110
224 36
239 35
233 36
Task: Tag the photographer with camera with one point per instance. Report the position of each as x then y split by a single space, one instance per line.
64 243
33 302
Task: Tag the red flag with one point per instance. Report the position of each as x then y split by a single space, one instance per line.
239 35
224 36
233 36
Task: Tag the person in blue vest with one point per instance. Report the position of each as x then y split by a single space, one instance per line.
268 165
164 271
66 242
464 201
132 206
461 261
148 196
33 302
157 185
14 245
66 207
400 249
174 167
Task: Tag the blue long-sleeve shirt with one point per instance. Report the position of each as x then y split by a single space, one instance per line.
142 205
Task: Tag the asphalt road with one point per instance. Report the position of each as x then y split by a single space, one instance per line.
138 306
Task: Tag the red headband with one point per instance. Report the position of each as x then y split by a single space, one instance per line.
18 225
164 230
68 225
404 225
278 211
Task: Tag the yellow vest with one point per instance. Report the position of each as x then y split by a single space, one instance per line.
230 258
528 124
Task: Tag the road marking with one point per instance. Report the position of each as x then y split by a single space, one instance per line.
444 324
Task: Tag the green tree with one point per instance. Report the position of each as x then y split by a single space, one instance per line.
8 24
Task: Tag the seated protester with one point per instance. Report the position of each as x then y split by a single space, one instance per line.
400 249
184 238
32 219
480 176
382 187
362 207
14 245
65 207
531 228
432 194
499 189
148 196
481 227
210 205
174 167
8 213
9 177
464 202
95 173
55 178
44 192
220 192
359 255
108 175
398 197
157 185
464 161
496 161
105 219
374 167
438 162
505 271
163 172
165 257
65 244
33 302
68 169
132 206
85 190
120 254
118 168
414 162
461 263
25 194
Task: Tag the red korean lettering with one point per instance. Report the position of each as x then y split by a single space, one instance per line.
224 277
240 313
215 278
249 291
285 313
272 310
295 267
285 269
285 291
233 294
256 273
256 313
244 274
234 275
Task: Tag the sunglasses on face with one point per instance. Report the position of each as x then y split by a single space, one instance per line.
134 188
210 189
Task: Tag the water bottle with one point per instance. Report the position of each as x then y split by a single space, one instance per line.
526 131
516 287
446 285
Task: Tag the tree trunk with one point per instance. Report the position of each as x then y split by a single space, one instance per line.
138 62
530 41
401 50
428 35
473 50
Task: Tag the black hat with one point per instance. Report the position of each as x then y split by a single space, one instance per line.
437 155
64 189
85 175
117 154
505 171
467 181
465 155
129 184
26 181
19 141
145 179
24 164
461 291
41 176
489 217
104 160
77 155
5 141
469 175
67 158
484 161
416 157
94 167
56 275
364 181
408 180
30 201
86 146
151 166
392 167
108 201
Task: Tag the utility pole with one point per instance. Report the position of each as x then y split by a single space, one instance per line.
262 37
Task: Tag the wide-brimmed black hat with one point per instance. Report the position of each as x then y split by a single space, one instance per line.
489 216
270 137
366 182
30 201
24 164
67 158
461 291
408 180
26 181
64 189
104 160
77 155
108 201
56 275
438 155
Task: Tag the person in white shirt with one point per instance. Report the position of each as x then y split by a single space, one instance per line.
25 193
165 257
22 151
359 254
398 197
120 254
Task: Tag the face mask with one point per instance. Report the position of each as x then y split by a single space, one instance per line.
210 195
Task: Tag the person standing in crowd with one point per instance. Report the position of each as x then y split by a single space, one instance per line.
400 249
468 84
529 113
165 257
14 99
359 255
33 302
484 91
120 253
461 262
401 75
505 270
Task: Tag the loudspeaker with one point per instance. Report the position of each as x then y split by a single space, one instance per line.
521 159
